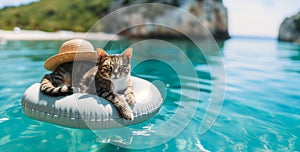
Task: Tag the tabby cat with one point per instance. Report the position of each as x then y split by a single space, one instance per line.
109 79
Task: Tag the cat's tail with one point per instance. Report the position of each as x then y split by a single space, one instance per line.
48 88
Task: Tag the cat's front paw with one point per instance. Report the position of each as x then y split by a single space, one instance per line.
76 89
66 90
130 99
127 114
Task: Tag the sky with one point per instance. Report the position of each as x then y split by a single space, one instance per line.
260 18
4 3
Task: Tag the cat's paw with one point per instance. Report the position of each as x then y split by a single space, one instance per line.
70 90
130 99
127 114
66 90
76 89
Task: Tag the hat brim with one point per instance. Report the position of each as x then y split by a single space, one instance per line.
54 61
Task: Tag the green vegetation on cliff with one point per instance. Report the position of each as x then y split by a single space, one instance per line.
81 15
54 15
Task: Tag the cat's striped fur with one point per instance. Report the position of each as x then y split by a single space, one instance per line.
109 79
59 82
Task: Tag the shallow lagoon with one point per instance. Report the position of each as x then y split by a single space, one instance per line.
261 109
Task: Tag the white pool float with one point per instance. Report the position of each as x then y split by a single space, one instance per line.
90 111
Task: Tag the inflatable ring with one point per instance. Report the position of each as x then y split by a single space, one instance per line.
90 111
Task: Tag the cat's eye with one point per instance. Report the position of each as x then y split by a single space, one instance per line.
123 67
107 68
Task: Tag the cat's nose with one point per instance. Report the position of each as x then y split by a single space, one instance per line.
115 74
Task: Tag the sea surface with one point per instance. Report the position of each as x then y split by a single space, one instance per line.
258 80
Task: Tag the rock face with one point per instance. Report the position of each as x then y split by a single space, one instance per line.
208 16
290 29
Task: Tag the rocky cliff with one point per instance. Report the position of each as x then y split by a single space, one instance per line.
290 29
164 21
77 15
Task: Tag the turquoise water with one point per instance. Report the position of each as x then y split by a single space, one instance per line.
260 112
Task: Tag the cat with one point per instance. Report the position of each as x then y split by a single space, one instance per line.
109 79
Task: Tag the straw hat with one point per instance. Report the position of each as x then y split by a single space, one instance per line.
75 49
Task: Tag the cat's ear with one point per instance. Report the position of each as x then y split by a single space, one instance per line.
101 53
127 53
